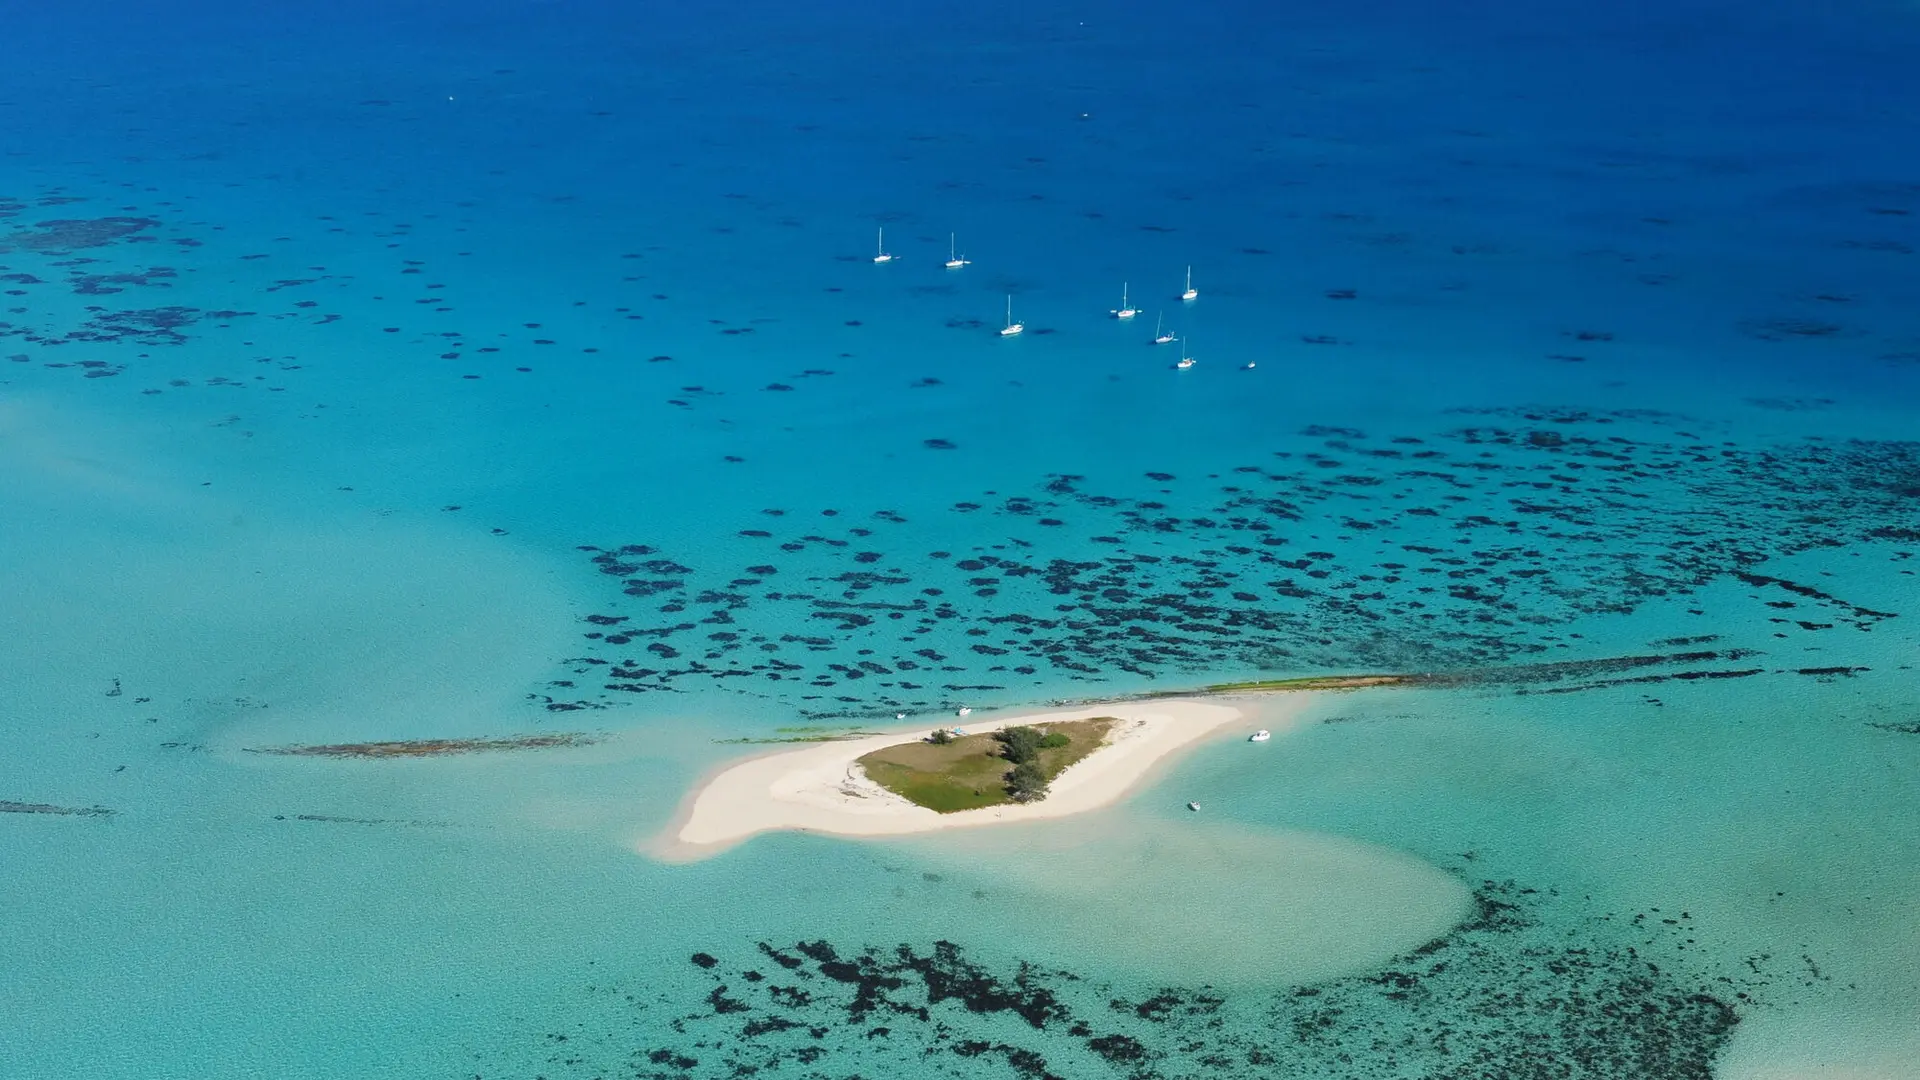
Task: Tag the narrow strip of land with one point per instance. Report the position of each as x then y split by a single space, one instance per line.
10 807
432 747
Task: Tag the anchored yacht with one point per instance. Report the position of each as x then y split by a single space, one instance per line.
1012 327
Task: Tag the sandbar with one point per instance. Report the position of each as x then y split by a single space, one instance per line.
819 788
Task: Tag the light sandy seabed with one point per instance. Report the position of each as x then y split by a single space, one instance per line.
820 789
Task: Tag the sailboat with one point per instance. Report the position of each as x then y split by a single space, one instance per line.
880 247
1190 292
1161 335
954 261
1185 360
1125 310
1012 327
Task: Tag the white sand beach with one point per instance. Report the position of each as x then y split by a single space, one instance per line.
819 788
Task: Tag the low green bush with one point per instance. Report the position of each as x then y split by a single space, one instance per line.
1019 744
1027 782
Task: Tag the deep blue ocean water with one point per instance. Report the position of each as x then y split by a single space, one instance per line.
414 371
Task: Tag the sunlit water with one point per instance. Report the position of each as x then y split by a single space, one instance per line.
348 364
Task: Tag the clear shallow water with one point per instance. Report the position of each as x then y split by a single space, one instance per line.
1661 260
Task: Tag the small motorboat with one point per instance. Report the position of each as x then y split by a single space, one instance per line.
1193 806
964 711
1248 367
1260 736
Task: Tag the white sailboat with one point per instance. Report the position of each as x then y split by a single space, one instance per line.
1190 292
954 261
1185 360
1161 335
880 247
1012 327
1125 310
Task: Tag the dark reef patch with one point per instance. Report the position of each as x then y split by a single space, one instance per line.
1451 551
1479 543
9 807
1532 985
70 234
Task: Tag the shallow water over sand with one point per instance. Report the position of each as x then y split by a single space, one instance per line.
519 370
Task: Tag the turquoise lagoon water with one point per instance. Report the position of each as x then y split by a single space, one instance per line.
413 371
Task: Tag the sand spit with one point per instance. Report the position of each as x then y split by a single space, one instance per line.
820 789
48 808
432 747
